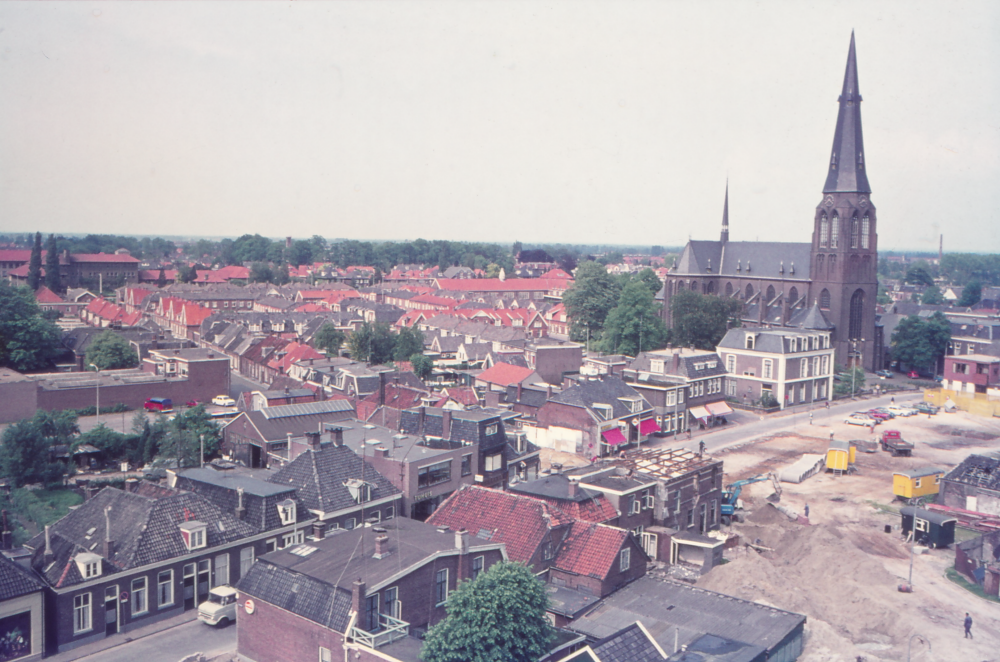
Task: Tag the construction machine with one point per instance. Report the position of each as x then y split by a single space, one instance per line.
732 506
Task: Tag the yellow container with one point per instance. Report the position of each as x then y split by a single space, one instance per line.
917 483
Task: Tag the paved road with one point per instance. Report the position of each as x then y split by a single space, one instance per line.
172 645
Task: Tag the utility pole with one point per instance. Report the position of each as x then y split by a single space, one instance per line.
98 370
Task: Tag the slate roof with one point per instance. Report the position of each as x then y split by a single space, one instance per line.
587 505
811 318
745 259
771 341
631 644
710 648
300 594
665 607
530 397
979 471
608 390
260 498
320 477
144 527
590 549
16 580
521 523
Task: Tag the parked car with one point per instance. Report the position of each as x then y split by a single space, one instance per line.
880 414
157 469
926 408
899 410
861 419
191 403
884 374
158 404
223 401
220 608
913 374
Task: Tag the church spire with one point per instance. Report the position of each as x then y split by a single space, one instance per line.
847 160
725 215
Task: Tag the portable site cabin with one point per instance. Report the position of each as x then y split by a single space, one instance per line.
917 482
929 528
839 456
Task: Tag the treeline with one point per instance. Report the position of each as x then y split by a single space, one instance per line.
955 269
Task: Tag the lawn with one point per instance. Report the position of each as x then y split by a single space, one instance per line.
959 578
33 509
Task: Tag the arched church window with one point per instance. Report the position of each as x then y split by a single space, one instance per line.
749 291
729 289
770 293
866 230
824 299
694 286
834 231
793 295
856 326
824 230
711 287
854 232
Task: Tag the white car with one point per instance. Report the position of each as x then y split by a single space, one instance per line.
857 419
897 410
223 401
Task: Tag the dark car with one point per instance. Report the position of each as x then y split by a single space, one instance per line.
884 374
926 408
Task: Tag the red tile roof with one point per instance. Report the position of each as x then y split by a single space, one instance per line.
521 523
15 255
591 549
598 509
497 285
465 395
504 374
45 295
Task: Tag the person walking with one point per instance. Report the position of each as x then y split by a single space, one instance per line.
968 626
810 418
807 511
892 400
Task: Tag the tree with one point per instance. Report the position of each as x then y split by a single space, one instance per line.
422 366
161 280
649 278
280 275
28 341
186 273
408 342
851 381
932 296
52 279
329 339
702 320
499 617
25 445
971 294
920 343
185 433
111 443
372 343
260 272
35 263
589 300
109 351
919 274
635 323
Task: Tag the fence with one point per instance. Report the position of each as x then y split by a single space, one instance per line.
979 404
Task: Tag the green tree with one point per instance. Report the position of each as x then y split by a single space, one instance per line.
919 273
589 300
492 270
883 297
184 434
852 380
423 366
280 275
649 278
161 279
971 294
702 320
186 274
260 272
372 343
110 442
329 339
408 342
932 296
499 617
920 343
52 279
634 324
109 351
35 263
28 341
25 445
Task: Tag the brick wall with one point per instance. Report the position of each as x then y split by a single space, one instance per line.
271 634
19 398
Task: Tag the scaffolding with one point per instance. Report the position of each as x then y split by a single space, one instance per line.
665 463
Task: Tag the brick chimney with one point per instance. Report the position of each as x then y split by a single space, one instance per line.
677 363
381 546
109 544
338 436
319 530
462 541
241 511
381 451
446 424
519 384
358 596
573 486
49 554
420 421
312 438
131 484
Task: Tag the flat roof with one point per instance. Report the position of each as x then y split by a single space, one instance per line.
920 473
232 481
189 354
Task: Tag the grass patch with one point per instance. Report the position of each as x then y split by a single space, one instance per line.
41 507
958 578
882 507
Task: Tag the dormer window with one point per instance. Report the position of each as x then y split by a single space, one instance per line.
604 411
88 564
193 533
359 489
656 366
286 511
749 341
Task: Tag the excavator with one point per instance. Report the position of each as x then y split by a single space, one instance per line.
732 507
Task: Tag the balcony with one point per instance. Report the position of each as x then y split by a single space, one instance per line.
390 629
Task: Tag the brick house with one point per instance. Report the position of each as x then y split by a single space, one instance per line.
22 610
972 373
128 558
570 497
973 485
790 366
703 377
361 595
664 392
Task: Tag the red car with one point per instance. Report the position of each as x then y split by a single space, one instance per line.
913 374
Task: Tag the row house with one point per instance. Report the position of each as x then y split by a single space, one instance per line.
102 313
256 355
786 366
273 304
972 373
69 305
291 354
520 288
558 321
665 392
183 318
703 376
472 331
533 322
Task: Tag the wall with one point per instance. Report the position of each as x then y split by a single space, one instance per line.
955 495
19 397
558 415
695 489
271 634
34 603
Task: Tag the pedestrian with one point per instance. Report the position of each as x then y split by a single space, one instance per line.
701 448
810 418
689 434
892 400
807 511
831 435
827 403
968 626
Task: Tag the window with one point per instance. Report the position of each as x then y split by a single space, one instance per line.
325 655
921 524
193 533
434 474
634 506
271 545
604 411
624 559
371 613
854 232
139 603
856 321
246 560
731 387
92 569
493 462
286 511
961 368
391 605
466 465
165 589
690 517
656 365
293 538
824 299
767 369
491 429
221 570
825 365
866 229
477 566
815 366
81 613
749 341
916 483
350 524
731 363
711 514
390 512
803 367
441 587
824 230
547 552
937 479
834 231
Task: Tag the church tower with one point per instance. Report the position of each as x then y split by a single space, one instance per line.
844 244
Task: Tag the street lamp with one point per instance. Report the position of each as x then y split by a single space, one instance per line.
98 393
854 368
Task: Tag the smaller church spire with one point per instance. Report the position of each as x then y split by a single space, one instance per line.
725 215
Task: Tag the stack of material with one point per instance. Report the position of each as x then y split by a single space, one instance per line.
806 466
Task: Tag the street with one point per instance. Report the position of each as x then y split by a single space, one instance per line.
171 645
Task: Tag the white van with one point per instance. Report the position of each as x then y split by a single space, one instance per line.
220 608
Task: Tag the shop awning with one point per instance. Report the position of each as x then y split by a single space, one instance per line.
719 408
613 436
699 412
649 426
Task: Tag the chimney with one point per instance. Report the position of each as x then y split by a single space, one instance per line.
109 544
555 467
420 423
319 530
289 441
241 511
381 451
131 484
288 242
446 424
677 362
6 538
462 541
358 596
49 555
286 390
381 546
338 436
519 384
573 485
109 549
548 390
312 438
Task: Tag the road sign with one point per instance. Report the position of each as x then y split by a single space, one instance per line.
124 596
249 606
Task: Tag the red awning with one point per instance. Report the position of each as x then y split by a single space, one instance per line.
719 408
613 436
649 426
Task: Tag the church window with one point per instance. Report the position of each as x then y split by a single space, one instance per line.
824 230
833 265
854 232
694 286
866 230
856 326
711 287
729 289
770 293
793 295
820 263
749 291
824 299
834 231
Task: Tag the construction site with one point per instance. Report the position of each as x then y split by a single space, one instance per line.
833 549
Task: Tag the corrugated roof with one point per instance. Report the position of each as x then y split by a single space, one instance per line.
305 409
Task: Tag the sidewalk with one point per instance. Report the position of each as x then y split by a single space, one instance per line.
131 634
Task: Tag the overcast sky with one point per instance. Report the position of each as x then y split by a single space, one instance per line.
576 122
